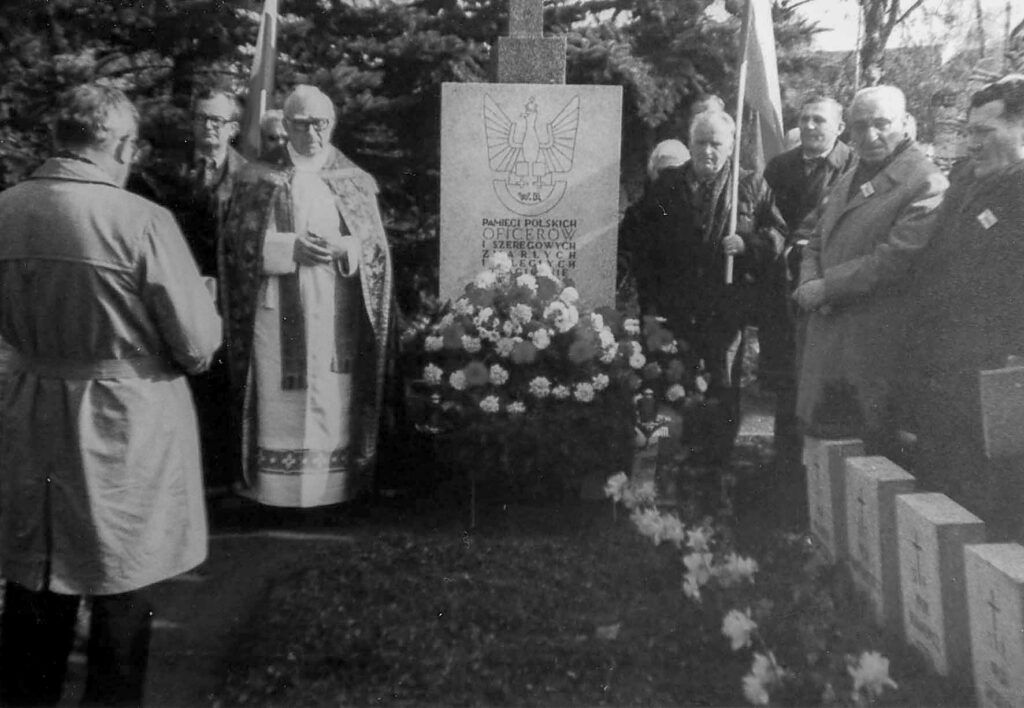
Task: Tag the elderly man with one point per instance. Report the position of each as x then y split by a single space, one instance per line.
273 136
798 178
681 270
309 285
970 292
102 493
870 230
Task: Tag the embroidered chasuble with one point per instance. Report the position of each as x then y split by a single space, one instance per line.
310 423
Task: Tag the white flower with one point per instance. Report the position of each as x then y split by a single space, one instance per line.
570 295
701 383
698 540
637 360
673 530
544 270
499 375
563 316
463 306
540 387
608 354
490 404
691 589
510 328
670 348
482 316
613 487
631 326
561 392
871 674
458 380
504 346
639 495
527 281
446 321
584 392
648 523
635 348
754 691
737 626
541 338
470 344
432 374
500 262
735 570
606 338
433 344
596 321
489 335
764 674
521 313
516 408
485 279
675 392
600 382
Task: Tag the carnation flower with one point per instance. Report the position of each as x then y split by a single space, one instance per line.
463 306
615 484
471 344
570 295
561 392
490 404
563 316
433 344
600 382
648 523
447 321
544 270
489 335
505 346
701 383
670 348
527 281
608 355
673 530
458 380
432 374
698 566
764 674
735 570
521 313
482 316
584 392
485 279
606 338
675 392
500 262
871 673
637 361
698 540
516 408
596 321
631 326
738 626
541 338
498 375
754 691
540 387
691 589
476 373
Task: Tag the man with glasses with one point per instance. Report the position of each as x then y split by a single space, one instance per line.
308 289
105 311
870 230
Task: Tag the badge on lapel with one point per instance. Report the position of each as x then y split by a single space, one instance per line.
987 219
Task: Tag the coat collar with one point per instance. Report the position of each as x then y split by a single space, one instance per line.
902 169
72 170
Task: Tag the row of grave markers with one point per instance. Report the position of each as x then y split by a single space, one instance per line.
922 562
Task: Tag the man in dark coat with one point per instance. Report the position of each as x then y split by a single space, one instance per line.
970 293
681 264
798 178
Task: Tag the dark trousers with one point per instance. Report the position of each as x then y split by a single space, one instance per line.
36 635
211 394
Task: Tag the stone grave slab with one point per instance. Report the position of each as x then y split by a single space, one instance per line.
526 56
533 171
933 530
872 484
995 605
824 461
1002 410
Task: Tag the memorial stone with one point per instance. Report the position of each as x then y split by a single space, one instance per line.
933 530
526 56
872 484
1002 410
995 605
826 489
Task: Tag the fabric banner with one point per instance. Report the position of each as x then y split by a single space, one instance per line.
261 79
762 90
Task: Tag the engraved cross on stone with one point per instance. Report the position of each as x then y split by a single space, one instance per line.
526 56
861 525
918 578
526 18
1000 646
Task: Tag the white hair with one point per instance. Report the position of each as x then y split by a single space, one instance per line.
885 93
667 153
304 97
712 118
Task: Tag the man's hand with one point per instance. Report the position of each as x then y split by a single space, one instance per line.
811 295
311 250
733 245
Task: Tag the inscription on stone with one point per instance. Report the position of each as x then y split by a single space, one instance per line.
826 489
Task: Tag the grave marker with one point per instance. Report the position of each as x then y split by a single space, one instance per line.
872 484
1002 410
995 604
526 56
826 490
933 530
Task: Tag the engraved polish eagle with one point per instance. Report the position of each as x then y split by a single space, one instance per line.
528 152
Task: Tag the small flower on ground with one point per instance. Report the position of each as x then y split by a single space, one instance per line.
463 306
490 404
600 382
764 675
563 316
698 566
561 392
570 296
596 321
871 673
500 262
698 540
471 344
608 355
498 375
670 348
615 484
505 346
509 328
476 373
584 392
516 408
521 313
754 691
433 344
482 316
490 335
458 380
675 393
634 496
735 570
447 321
637 361
606 338
738 626
701 383
432 374
485 279
631 326
673 530
541 338
691 589
527 281
540 387
648 523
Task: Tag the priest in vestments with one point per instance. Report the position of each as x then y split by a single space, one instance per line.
307 285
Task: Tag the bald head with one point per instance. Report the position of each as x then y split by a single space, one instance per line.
309 120
877 120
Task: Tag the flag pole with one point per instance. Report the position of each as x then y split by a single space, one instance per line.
735 177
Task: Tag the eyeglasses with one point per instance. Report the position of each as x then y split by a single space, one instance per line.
216 121
302 124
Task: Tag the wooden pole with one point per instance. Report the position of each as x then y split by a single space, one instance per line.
735 177
856 48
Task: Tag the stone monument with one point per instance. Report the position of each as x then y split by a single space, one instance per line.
826 490
530 167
